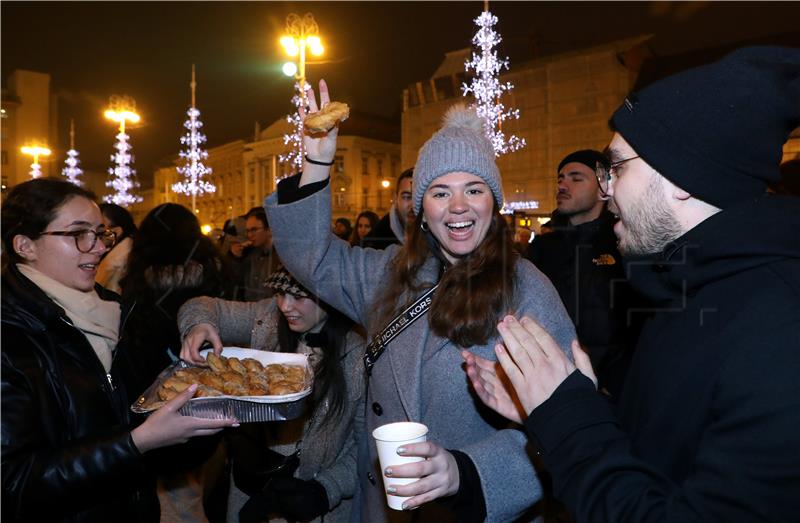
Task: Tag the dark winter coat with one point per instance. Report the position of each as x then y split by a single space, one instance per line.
67 452
588 272
707 428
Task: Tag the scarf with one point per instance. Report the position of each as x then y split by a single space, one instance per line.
97 319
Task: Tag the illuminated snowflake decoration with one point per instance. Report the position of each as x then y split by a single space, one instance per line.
72 171
123 175
36 170
194 169
295 140
486 86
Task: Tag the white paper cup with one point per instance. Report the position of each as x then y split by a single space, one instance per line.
388 438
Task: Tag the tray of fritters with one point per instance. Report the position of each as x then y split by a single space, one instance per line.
249 385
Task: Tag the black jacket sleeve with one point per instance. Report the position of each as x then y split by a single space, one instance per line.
289 189
37 476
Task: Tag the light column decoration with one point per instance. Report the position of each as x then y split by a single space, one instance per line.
72 171
302 34
122 109
35 151
194 169
486 86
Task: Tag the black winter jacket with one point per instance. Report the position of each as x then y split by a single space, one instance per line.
707 428
588 272
67 453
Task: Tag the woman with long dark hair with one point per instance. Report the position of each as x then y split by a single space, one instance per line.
70 451
366 221
322 482
446 289
114 264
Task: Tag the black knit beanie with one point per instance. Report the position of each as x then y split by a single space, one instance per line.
587 157
717 131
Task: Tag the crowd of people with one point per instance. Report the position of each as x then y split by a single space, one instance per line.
636 363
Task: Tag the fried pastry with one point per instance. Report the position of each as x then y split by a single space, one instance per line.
253 365
236 366
217 363
324 120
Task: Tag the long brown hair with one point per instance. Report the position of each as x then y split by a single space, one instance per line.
473 294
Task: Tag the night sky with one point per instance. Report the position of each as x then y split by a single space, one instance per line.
373 51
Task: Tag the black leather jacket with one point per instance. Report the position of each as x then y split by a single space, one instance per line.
67 453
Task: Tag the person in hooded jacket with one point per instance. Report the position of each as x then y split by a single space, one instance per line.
707 421
70 451
314 456
459 263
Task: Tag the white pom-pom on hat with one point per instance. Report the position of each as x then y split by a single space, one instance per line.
459 146
460 115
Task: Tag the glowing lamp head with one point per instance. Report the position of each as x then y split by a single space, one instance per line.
290 45
315 44
206 229
385 184
35 150
289 69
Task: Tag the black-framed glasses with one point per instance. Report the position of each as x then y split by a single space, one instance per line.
86 239
605 174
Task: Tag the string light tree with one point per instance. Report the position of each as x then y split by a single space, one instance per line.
303 33
194 170
122 109
72 171
35 151
486 86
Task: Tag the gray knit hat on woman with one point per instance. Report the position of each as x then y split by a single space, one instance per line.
460 145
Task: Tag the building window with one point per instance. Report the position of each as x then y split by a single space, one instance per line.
380 168
338 162
4 160
364 165
365 199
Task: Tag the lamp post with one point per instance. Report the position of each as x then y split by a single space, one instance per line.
122 109
36 151
302 36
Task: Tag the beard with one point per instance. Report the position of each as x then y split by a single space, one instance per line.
649 224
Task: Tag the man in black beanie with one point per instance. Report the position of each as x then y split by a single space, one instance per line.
582 261
707 423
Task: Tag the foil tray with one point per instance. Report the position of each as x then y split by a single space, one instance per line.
246 409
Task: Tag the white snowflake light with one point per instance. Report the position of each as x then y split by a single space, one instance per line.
486 86
72 171
295 140
36 170
511 207
123 175
194 170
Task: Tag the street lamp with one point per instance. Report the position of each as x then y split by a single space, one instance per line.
36 151
122 109
302 36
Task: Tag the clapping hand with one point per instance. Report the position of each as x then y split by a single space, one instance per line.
534 364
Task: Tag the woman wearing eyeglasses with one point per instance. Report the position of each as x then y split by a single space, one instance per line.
69 452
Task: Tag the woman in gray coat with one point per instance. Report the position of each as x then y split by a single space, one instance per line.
314 457
459 248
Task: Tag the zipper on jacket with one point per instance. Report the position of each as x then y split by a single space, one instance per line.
110 382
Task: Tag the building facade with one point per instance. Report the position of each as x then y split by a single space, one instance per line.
366 165
28 117
565 101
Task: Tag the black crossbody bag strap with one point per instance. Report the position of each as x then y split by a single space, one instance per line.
411 314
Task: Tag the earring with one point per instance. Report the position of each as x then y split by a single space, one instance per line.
424 226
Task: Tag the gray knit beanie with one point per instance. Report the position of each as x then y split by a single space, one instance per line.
460 145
